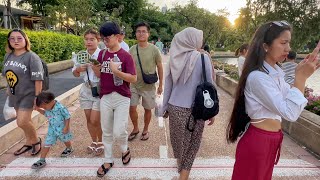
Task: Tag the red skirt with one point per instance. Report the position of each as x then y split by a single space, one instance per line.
257 153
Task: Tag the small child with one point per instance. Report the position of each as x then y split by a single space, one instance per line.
59 128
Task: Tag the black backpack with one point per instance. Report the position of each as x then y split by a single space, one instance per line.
206 101
45 83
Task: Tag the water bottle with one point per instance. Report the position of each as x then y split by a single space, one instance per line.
117 81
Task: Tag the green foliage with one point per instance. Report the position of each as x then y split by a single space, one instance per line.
130 42
211 24
50 46
303 15
229 69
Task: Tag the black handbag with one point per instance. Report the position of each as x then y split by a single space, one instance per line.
94 90
147 78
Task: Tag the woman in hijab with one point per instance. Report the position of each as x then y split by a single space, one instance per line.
182 78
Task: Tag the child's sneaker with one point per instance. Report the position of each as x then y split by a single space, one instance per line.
39 164
67 152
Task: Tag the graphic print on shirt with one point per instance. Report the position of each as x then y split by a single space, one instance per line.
105 66
12 80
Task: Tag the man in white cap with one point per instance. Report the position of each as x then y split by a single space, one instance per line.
123 44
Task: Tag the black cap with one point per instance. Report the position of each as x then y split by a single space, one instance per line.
109 28
292 55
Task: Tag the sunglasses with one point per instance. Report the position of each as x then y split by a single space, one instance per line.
280 23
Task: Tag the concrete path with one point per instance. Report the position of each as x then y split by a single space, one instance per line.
153 159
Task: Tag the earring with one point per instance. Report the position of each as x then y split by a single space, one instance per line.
266 50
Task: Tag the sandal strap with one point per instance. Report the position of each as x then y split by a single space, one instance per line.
39 163
127 154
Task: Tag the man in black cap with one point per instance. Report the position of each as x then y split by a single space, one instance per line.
123 44
116 71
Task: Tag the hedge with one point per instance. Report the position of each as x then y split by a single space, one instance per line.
131 42
50 46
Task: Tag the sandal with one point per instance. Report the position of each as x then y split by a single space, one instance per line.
105 170
39 164
132 136
34 151
124 156
99 150
144 136
91 148
25 148
67 152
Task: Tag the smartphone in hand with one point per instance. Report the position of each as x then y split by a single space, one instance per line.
94 61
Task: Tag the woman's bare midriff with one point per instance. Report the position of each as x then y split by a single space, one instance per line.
272 125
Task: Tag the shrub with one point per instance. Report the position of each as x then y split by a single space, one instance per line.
50 46
313 101
131 42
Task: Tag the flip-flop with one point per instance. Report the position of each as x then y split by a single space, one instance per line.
34 151
18 152
132 136
144 136
124 156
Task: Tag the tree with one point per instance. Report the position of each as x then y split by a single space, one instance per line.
38 6
304 16
74 15
128 10
211 24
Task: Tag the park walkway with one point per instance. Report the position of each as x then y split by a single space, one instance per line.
153 159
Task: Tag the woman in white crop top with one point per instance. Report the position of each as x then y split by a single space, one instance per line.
90 104
263 98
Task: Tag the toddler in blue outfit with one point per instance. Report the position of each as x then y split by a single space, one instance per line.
59 128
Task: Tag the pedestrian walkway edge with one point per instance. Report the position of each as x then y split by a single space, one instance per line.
11 134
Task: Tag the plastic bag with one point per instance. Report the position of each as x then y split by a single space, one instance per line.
8 112
158 108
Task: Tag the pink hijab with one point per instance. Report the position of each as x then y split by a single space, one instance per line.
184 52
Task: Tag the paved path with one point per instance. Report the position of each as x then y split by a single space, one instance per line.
153 159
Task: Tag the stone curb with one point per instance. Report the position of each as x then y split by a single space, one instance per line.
305 131
52 67
11 134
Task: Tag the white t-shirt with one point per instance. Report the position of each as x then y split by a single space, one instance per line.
124 46
92 76
241 60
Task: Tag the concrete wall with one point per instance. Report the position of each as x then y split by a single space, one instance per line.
52 67
305 131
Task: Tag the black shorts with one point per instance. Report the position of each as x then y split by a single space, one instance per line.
21 102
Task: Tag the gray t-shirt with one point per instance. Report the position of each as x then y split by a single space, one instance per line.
21 72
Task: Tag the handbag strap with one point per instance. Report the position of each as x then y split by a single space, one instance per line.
203 68
139 59
88 78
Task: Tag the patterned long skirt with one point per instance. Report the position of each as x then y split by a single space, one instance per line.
185 144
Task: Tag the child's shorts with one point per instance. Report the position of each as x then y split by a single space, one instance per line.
52 137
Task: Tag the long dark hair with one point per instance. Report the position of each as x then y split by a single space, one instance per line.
241 49
265 34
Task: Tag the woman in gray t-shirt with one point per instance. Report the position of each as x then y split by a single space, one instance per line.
23 71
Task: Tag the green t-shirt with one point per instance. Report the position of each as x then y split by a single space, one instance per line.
149 57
